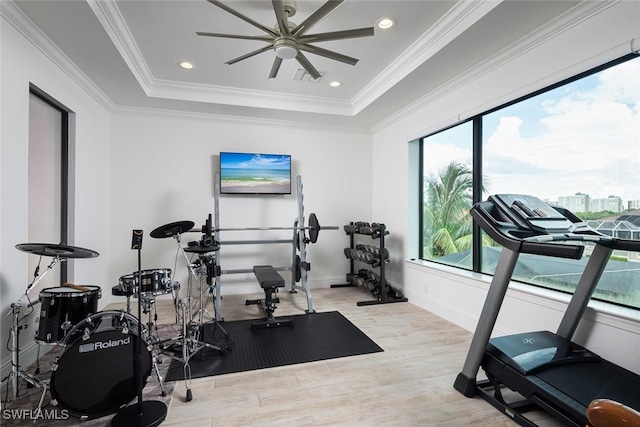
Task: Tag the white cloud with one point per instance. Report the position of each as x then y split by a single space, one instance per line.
439 156
585 137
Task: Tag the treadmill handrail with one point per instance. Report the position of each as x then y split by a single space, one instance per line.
559 237
622 244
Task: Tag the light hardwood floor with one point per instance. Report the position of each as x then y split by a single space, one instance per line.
409 384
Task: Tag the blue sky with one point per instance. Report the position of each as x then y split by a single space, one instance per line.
579 138
254 161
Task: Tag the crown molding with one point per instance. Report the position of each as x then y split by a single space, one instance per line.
457 20
549 31
114 24
14 16
248 98
109 16
241 120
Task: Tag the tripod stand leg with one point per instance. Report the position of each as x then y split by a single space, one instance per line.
185 355
15 349
45 388
160 380
187 381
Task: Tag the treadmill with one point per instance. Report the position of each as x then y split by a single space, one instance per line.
547 370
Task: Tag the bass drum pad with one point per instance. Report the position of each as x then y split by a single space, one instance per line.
94 375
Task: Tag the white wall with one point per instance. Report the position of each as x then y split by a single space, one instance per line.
459 297
163 168
22 63
142 170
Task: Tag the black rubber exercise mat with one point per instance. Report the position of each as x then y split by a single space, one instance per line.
315 336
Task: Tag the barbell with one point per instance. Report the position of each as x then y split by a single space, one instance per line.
180 227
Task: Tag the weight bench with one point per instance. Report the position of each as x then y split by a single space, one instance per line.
270 280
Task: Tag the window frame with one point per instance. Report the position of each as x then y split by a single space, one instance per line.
65 179
477 169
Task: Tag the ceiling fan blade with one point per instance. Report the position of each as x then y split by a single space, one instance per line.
316 16
328 54
275 67
281 16
243 17
250 54
236 36
307 66
337 35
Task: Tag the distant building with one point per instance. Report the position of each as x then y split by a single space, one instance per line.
577 203
611 203
633 204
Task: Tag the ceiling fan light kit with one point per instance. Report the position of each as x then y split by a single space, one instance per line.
289 40
285 48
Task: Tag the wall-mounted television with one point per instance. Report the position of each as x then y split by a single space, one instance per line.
255 173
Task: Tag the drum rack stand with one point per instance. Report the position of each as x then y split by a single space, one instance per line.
147 307
17 373
191 341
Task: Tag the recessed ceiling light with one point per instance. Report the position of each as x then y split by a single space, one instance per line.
385 23
335 84
186 65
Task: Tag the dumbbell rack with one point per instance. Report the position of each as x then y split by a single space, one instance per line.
373 256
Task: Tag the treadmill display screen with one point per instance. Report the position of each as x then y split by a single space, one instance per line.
531 212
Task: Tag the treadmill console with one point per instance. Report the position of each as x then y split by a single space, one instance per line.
529 212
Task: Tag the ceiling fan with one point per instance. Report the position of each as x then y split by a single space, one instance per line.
289 40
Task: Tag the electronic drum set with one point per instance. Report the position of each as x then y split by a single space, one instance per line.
198 333
94 374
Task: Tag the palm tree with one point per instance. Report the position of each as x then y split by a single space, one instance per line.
447 225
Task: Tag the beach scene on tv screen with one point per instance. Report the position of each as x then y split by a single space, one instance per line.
255 173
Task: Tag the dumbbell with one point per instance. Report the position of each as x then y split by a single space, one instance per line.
371 275
351 229
377 230
366 230
372 249
368 257
363 279
361 226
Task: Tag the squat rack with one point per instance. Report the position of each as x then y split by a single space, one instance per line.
299 264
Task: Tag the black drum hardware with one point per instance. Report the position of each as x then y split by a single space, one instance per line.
155 282
143 413
61 308
191 311
94 374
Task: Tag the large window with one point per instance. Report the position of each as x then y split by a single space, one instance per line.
447 196
576 145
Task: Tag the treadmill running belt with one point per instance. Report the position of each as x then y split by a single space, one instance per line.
584 382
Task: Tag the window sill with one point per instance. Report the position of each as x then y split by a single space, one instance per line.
596 309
